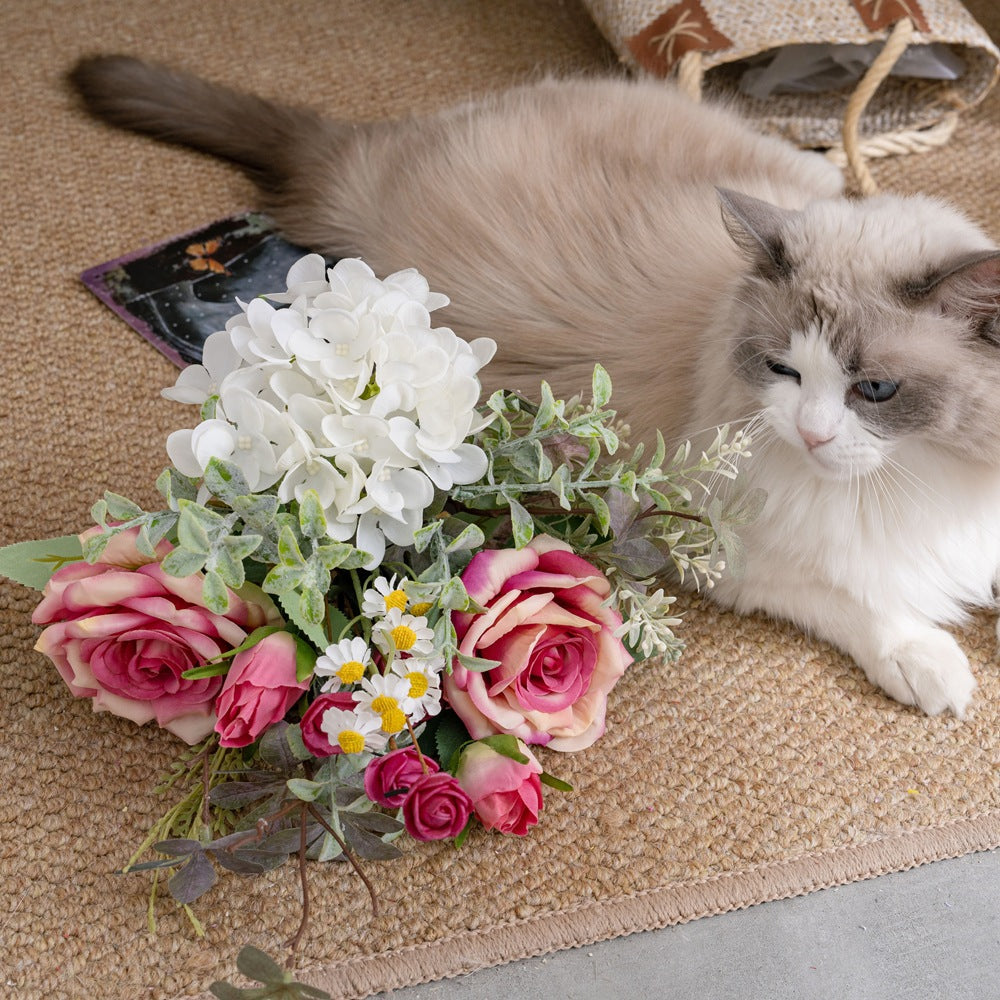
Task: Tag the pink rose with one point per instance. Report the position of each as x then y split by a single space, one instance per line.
388 778
315 740
506 795
554 639
259 689
121 632
436 807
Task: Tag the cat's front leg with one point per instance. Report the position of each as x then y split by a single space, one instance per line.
911 660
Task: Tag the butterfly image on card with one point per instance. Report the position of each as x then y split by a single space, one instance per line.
202 257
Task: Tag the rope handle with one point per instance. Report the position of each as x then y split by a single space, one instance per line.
854 152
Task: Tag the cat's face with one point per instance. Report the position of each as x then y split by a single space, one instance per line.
865 326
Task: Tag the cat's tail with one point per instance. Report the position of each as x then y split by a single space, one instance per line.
257 135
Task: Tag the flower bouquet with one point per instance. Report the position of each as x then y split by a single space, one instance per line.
367 599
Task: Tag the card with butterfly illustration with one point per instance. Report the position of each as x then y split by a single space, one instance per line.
177 292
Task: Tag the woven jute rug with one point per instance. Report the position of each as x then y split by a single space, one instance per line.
761 765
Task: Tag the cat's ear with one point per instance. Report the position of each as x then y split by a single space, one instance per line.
756 228
969 288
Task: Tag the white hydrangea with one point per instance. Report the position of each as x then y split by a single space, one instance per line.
344 388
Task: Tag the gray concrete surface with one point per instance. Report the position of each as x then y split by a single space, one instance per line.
932 933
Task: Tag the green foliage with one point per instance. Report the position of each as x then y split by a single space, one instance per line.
276 983
32 563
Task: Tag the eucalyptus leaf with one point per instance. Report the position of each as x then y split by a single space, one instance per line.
601 386
214 593
423 536
183 562
225 479
522 523
470 537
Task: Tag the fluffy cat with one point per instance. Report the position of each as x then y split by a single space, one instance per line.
720 276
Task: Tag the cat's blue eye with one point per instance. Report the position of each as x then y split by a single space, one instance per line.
783 370
875 391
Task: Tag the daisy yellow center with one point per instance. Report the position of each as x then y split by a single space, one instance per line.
395 599
418 684
420 609
384 703
351 672
403 637
351 741
393 721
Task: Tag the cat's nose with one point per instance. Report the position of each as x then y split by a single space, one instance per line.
814 439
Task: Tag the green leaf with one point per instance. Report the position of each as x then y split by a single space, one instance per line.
282 580
225 479
93 547
312 519
505 745
521 522
32 563
600 508
334 554
454 596
477 664
209 407
601 386
206 670
290 606
192 533
193 880
121 508
546 410
337 623
302 788
450 735
553 782
214 593
288 548
305 659
471 537
256 964
229 568
182 562
99 512
312 605
464 835
422 536
174 487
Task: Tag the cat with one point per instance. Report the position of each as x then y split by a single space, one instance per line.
721 276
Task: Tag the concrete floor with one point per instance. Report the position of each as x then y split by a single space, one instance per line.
932 933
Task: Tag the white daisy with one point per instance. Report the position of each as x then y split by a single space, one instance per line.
344 663
383 696
382 596
423 679
353 732
402 633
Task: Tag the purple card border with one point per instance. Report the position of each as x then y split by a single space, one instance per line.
93 279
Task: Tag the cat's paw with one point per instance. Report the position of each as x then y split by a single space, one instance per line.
930 672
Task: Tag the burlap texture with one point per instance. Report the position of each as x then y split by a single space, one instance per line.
732 30
762 765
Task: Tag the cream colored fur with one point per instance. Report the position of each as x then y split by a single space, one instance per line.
580 221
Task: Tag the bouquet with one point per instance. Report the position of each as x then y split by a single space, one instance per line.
367 600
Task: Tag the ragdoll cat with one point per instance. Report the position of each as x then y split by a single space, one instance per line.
720 276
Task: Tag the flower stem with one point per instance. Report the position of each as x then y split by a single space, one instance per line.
416 746
348 853
293 942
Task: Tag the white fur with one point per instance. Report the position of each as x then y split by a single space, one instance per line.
867 546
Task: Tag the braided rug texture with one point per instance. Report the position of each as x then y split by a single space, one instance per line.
761 765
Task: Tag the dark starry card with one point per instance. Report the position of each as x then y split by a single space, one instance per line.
183 289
